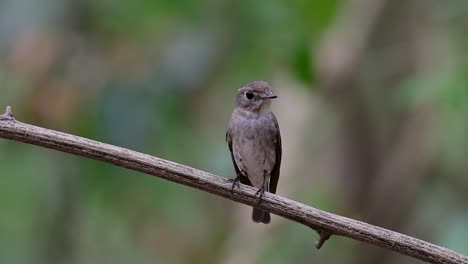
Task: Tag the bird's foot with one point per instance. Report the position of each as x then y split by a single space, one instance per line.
260 194
235 183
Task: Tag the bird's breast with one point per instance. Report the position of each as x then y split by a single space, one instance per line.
254 148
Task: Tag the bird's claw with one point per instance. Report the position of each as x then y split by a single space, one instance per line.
260 193
235 183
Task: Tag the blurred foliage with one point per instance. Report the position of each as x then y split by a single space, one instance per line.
160 77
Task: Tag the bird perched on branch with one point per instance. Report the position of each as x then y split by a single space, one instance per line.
254 140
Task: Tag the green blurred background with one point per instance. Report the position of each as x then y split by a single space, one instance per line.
373 105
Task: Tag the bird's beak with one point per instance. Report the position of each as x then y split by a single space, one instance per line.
270 96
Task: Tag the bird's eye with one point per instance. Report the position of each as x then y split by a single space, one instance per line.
249 95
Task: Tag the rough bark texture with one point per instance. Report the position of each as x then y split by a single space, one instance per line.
323 222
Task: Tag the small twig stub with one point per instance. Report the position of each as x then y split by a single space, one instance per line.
324 236
8 115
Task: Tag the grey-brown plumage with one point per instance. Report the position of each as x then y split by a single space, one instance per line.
254 140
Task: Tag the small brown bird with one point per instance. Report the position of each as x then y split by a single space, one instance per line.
254 140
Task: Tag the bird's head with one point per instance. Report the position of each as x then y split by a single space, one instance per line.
255 96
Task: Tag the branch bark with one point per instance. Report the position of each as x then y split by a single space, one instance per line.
324 223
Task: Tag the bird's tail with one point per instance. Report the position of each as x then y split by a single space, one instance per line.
260 216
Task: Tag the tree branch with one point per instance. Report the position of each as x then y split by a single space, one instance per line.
324 223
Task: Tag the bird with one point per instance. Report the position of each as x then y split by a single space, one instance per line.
254 140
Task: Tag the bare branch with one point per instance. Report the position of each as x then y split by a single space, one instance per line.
324 223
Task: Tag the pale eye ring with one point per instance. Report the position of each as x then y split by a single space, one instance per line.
249 95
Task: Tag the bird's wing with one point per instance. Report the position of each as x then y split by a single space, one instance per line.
242 178
274 176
